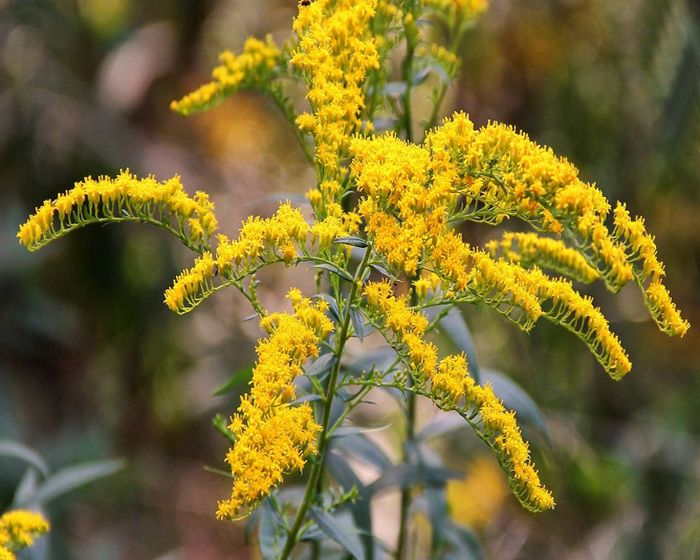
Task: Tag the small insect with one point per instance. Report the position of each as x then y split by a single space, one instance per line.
305 2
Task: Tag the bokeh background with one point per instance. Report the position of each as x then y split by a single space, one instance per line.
93 366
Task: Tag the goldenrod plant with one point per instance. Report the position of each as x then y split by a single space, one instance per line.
383 240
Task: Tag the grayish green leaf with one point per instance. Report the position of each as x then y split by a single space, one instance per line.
330 527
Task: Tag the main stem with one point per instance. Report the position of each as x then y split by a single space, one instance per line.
410 434
314 481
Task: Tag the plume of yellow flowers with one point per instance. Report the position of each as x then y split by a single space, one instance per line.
252 68
413 193
124 198
448 383
336 50
273 437
18 529
530 249
260 241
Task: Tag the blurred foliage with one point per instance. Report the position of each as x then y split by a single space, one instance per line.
92 365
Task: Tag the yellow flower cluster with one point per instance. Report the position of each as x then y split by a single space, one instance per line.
272 437
404 213
336 223
412 193
18 529
260 241
336 51
528 249
450 382
641 250
126 197
252 68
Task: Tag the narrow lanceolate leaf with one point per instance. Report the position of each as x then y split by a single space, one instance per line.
361 328
351 240
70 478
238 380
321 365
342 472
330 527
19 451
335 270
454 325
404 476
515 398
359 446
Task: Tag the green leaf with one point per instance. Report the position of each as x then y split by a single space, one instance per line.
404 476
358 323
27 486
352 240
221 426
361 447
335 270
16 450
332 304
238 380
345 431
330 527
395 89
515 398
455 327
70 478
270 532
321 365
342 472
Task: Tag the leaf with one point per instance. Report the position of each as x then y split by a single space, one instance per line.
395 89
27 486
270 537
306 398
354 430
335 270
405 475
238 380
332 304
321 365
515 398
363 448
330 527
16 450
351 240
70 478
380 359
221 425
358 323
455 327
379 268
341 470
464 543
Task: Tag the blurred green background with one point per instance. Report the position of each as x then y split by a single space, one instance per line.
92 364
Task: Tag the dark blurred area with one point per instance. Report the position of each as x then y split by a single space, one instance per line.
93 365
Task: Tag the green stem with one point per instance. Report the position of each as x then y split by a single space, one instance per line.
317 469
410 435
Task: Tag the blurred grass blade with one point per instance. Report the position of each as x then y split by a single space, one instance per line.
70 478
16 450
